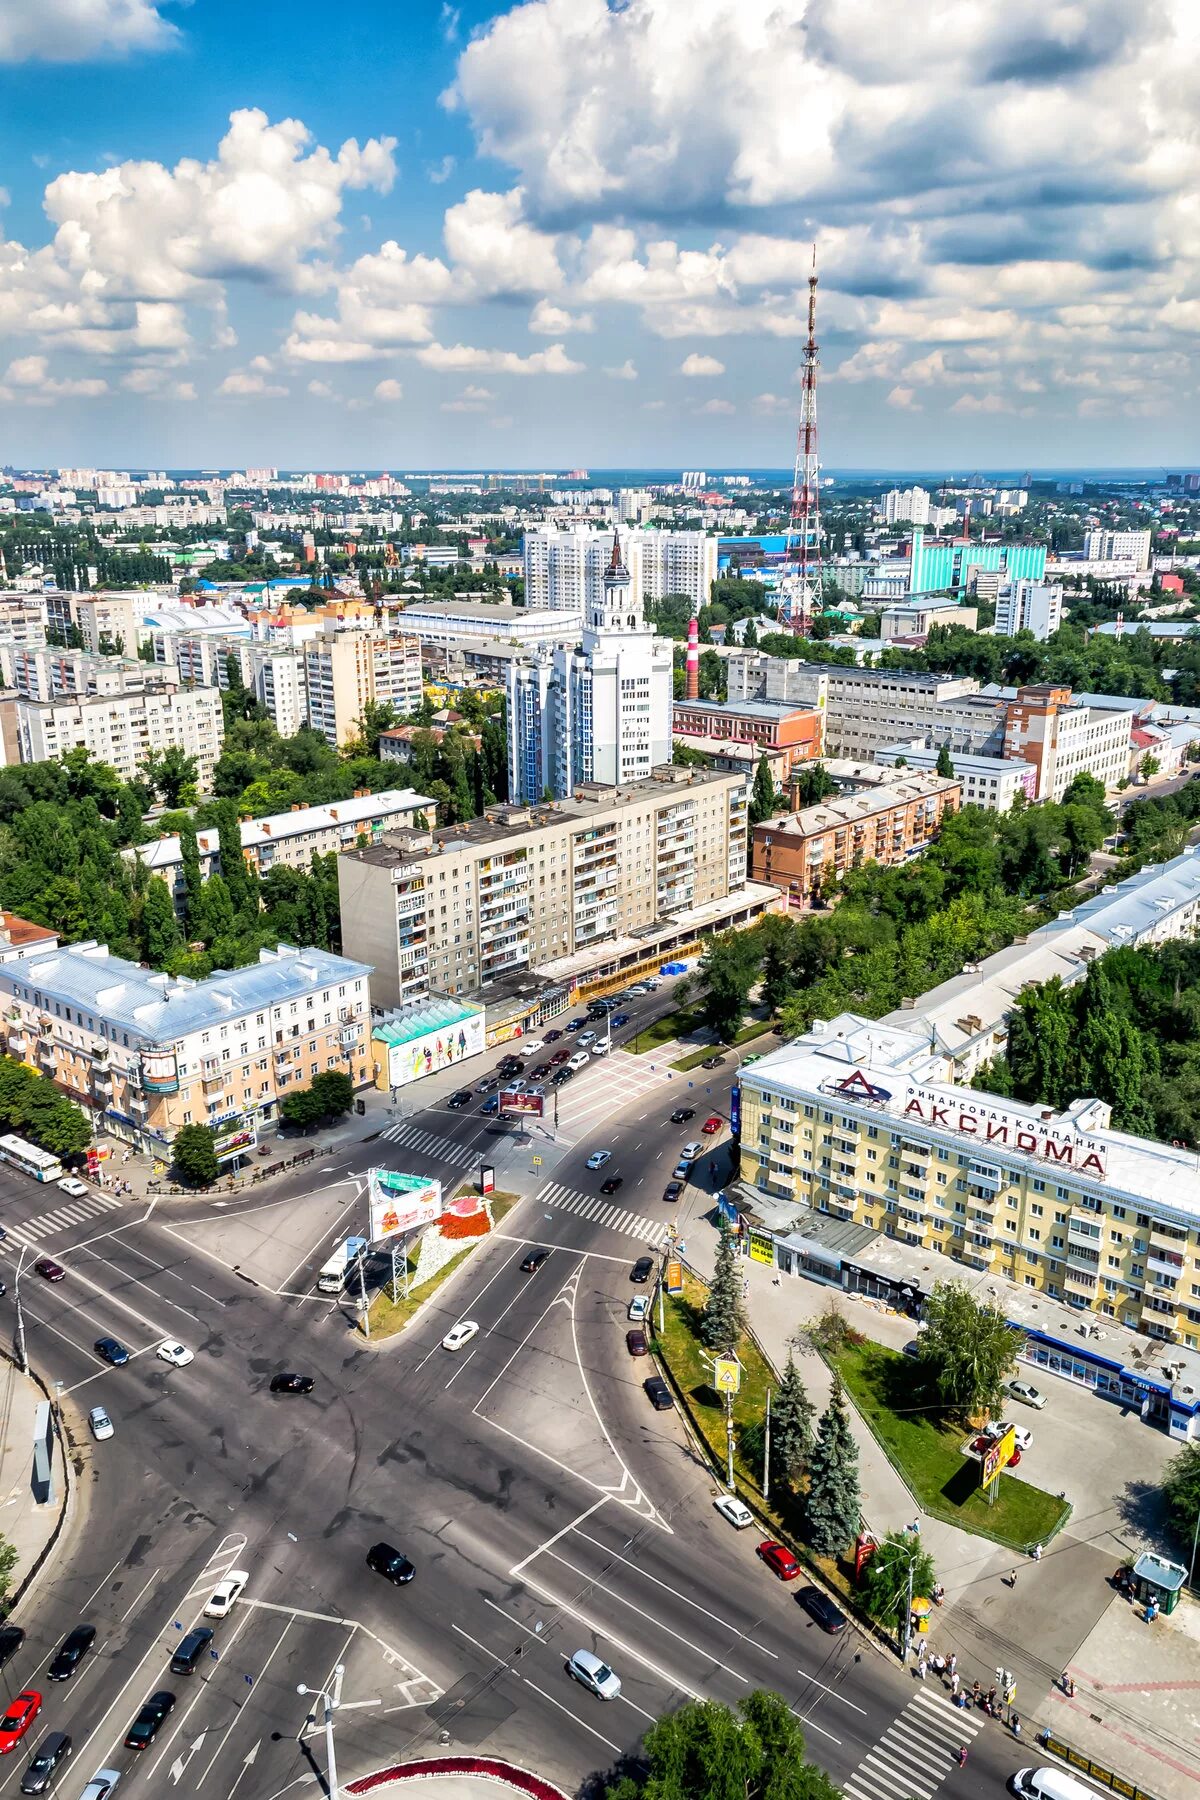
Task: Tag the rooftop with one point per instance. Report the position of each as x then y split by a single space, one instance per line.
164 852
21 934
436 1012
769 710
846 809
500 613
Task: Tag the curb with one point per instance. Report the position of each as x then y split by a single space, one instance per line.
479 1768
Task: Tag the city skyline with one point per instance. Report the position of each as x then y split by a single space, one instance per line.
559 234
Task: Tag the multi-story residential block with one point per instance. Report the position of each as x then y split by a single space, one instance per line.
107 621
1034 606
126 729
456 909
22 619
909 622
478 621
859 1120
292 839
346 671
1118 546
990 781
564 569
52 674
807 851
776 725
149 1053
909 506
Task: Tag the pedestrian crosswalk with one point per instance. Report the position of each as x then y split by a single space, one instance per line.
599 1211
61 1218
917 1751
430 1144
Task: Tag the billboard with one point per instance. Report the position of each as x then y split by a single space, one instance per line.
997 1458
235 1140
532 1104
400 1203
762 1247
442 1047
735 1112
160 1071
674 1276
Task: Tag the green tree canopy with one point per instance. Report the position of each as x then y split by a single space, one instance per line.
194 1155
723 1319
968 1348
833 1503
707 1751
887 1590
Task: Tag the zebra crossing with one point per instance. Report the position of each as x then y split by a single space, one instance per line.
599 1211
917 1751
428 1143
48 1224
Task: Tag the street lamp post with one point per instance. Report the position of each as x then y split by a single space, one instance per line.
332 1699
22 1358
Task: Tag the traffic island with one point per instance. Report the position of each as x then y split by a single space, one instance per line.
429 1263
464 1772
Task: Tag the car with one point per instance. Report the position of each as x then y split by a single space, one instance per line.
288 1383
49 1270
778 1559
552 1037
593 1674
542 1072
682 1114
575 1024
560 1057
71 1652
639 988
690 1151
822 1610
620 1019
20 1716
659 1394
71 1184
459 1334
191 1648
642 1269
601 1047
711 1125
585 1038
534 1261
491 1104
912 1348
101 1424
509 1065
53 1751
653 983
1022 1436
598 1158
562 1076
391 1563
638 1309
712 1062
175 1353
598 1009
1027 1393
579 1061
144 1729
735 1510
225 1594
102 1784
110 1351
682 1170
488 1085
532 1046
515 1087
635 1343
11 1639
612 1184
672 1192
463 1098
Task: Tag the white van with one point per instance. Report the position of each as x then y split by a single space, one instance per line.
1050 1784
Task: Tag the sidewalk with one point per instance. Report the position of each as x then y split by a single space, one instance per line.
27 1523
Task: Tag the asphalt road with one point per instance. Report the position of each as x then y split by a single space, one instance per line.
546 1506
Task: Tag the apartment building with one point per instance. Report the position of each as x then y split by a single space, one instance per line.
806 852
1063 740
291 839
1118 546
43 673
148 1053
771 725
564 569
859 1120
22 618
125 729
106 620
1034 606
463 906
906 506
346 671
990 781
909 622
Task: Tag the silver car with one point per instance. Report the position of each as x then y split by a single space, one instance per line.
101 1424
593 1674
101 1785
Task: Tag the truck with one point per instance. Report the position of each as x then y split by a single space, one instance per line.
334 1272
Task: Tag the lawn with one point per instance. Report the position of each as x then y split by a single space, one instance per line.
388 1317
664 1031
926 1447
757 1028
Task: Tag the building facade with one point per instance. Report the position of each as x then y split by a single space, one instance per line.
126 729
477 621
1034 606
1063 740
564 569
771 725
1118 546
993 782
808 851
346 671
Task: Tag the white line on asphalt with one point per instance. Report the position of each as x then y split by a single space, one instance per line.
138 1282
610 1637
201 1690
99 1585
500 1373
66 1338
239 1714
621 1463
462 1365
133 1603
542 1548
570 1714
611 1594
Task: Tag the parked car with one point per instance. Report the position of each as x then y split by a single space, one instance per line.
224 1595
735 1510
534 1261
598 1158
1026 1392
635 1343
515 1087
593 1674
682 1170
463 1098
822 1609
102 1785
642 1269
144 1729
779 1560
101 1424
71 1184
712 1125
612 1184
110 1351
291 1384
71 1652
682 1114
659 1394
391 1563
638 1309
1022 1436
11 1639
672 1192
459 1334
690 1151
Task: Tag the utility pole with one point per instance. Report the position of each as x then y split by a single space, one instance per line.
729 1441
362 1290
906 1637
767 1452
22 1358
332 1700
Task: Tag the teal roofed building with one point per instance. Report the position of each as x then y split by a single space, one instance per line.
936 568
429 1035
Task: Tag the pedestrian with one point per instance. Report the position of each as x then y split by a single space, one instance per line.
954 1684
976 1693
1012 1578
1068 1686
1037 1553
991 1700
915 1528
1015 1724
1151 1611
952 1665
921 1670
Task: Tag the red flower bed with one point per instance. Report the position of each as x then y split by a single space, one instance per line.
490 1768
454 1225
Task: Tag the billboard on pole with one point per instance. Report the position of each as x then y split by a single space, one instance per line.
533 1105
401 1202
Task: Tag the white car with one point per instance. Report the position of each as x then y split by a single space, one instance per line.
1025 1390
594 1674
580 1060
640 987
71 1184
459 1334
691 1151
639 1308
225 1593
598 1158
530 1046
101 1424
735 1510
178 1355
1021 1436
601 1047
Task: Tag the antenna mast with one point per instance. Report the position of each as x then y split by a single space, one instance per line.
802 591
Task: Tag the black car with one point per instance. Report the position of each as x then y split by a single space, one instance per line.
11 1639
111 1351
71 1652
642 1269
712 1062
463 1098
541 1072
291 1384
672 1192
144 1729
612 1184
659 1394
389 1562
682 1114
51 1753
512 1065
191 1649
821 1608
534 1261
562 1076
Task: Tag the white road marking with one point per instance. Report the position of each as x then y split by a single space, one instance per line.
542 1548
462 1365
238 1715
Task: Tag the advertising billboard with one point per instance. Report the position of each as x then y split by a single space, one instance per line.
441 1047
400 1203
997 1458
160 1071
762 1247
534 1105
735 1112
234 1140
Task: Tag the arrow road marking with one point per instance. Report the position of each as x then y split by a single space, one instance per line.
181 1762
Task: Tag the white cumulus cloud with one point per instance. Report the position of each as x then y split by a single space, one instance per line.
388 389
70 31
548 320
244 385
701 365
462 357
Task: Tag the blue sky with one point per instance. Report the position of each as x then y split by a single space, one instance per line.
568 232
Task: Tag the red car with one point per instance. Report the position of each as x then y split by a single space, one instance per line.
560 1056
51 1270
712 1125
779 1558
17 1720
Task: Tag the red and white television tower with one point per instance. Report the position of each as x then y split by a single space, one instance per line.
800 592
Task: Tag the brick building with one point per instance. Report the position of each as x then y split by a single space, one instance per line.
811 848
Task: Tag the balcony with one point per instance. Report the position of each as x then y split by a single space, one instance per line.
1080 1283
986 1176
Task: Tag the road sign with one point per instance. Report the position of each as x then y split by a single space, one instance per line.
728 1373
675 1277
537 1162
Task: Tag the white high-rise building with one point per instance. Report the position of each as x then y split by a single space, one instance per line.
910 505
601 712
1029 606
1118 546
565 569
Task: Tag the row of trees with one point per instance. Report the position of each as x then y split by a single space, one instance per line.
1130 664
34 1108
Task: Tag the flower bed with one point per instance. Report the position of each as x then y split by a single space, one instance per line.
485 1768
460 1225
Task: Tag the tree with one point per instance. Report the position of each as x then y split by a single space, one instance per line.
1148 766
172 773
945 763
968 1347
762 795
193 880
8 1562
1181 1491
887 1585
335 1090
707 1751
377 717
194 1155
726 975
833 1502
723 1319
791 1425
160 928
302 1109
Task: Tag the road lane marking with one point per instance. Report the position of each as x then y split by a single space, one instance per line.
626 1648
499 1660
611 1594
238 1713
201 1691
138 1282
462 1365
133 1603
542 1548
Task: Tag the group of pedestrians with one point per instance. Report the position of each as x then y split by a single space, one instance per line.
995 1702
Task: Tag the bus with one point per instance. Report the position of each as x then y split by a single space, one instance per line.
29 1159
